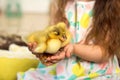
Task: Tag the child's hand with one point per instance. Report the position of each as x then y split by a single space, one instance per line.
32 46
56 57
69 50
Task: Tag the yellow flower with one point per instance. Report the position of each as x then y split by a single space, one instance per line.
85 20
52 72
93 75
78 70
117 70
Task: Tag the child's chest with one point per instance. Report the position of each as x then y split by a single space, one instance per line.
79 16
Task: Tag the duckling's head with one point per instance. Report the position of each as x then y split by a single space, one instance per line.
58 32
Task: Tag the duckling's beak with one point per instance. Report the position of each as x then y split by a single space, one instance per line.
63 38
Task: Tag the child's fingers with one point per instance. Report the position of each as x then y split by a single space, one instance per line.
66 48
68 53
55 61
62 55
48 63
32 46
57 57
54 57
48 59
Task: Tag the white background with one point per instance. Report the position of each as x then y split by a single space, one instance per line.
30 6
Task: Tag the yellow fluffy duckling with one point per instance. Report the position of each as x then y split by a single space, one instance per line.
61 32
38 37
51 39
53 45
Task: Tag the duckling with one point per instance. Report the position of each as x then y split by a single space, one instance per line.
51 39
53 45
38 37
66 35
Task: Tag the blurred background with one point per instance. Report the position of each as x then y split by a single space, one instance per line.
23 16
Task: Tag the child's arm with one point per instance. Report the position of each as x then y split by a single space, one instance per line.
87 52
92 53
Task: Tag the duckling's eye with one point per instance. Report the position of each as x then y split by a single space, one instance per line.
56 33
